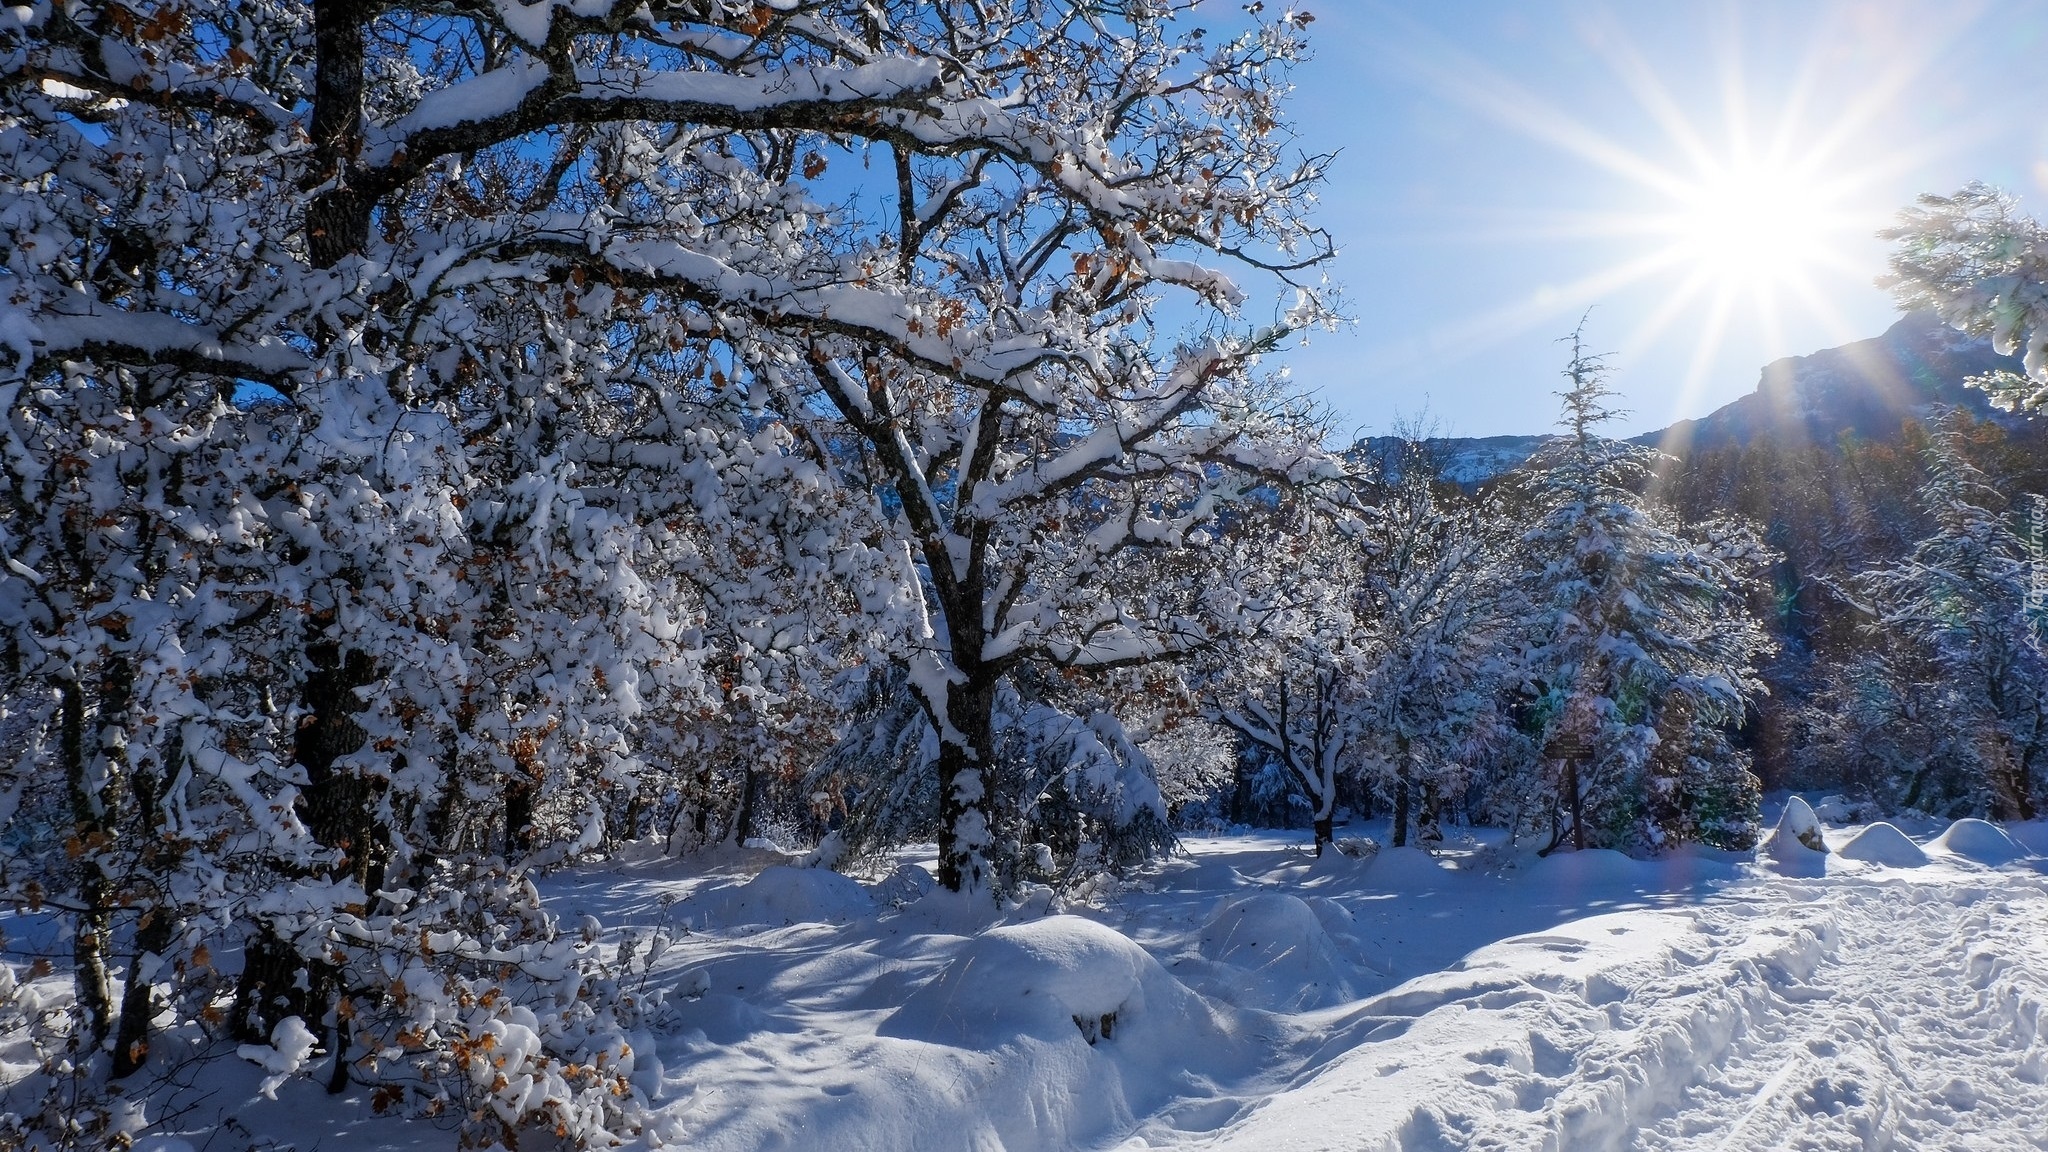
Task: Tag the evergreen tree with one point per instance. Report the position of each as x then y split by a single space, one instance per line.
1641 634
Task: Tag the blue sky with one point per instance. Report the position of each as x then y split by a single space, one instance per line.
1506 164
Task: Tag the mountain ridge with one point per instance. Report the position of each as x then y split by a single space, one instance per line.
1867 389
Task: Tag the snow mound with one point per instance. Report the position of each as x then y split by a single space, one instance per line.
1883 843
907 883
1405 868
1052 1034
1588 866
1795 847
1978 840
1280 943
1051 979
783 895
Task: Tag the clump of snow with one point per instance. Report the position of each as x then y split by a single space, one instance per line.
1884 844
1278 955
1360 847
1978 840
1842 810
1057 1033
291 1042
1049 979
783 895
907 883
1591 866
1406 868
1795 846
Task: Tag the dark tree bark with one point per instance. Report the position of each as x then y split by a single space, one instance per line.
1402 800
338 807
338 219
963 788
1241 787
153 932
519 797
89 941
750 794
1577 798
1429 829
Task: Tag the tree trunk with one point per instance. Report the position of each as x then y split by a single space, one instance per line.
750 794
2009 781
138 1002
519 793
338 219
1556 826
1401 799
339 809
964 831
89 940
153 933
1241 787
1326 832
268 990
1578 801
339 806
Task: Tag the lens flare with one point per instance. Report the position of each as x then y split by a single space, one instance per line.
1752 225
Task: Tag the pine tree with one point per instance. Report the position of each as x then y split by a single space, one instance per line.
1642 632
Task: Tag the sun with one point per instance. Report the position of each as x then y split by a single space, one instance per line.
1717 211
1756 225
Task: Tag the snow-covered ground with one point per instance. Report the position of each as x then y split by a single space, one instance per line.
1246 996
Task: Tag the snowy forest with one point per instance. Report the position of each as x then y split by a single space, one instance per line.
453 450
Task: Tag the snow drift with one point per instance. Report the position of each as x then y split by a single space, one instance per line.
1979 841
1884 844
1269 950
780 896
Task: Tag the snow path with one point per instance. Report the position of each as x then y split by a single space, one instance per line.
1847 1013
1923 1029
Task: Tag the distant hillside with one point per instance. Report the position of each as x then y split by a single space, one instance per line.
1470 459
1867 389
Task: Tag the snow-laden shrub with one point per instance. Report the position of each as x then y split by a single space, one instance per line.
464 999
1795 846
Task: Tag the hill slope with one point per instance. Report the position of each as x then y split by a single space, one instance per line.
1867 389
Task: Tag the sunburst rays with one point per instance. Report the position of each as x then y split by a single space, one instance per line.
1739 199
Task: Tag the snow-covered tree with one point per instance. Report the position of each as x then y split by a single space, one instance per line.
1303 731
421 419
1437 605
1972 672
1983 267
1642 633
1043 466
